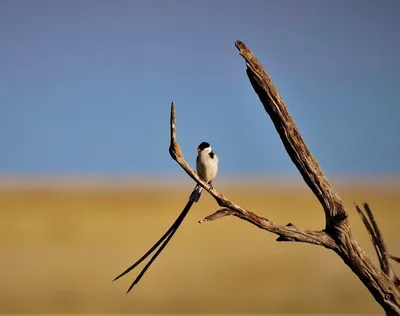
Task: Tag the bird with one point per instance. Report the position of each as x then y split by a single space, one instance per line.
207 169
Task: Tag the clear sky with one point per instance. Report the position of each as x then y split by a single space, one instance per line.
86 86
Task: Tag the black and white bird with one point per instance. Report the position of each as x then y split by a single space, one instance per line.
207 168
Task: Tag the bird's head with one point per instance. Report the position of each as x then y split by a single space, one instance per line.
204 147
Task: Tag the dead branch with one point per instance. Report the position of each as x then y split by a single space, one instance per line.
285 233
337 224
288 232
337 234
395 259
377 240
291 138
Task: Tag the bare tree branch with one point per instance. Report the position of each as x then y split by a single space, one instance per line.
385 265
378 242
285 233
291 138
291 232
337 234
372 235
376 237
337 224
397 259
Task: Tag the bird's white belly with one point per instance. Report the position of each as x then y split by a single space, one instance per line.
207 168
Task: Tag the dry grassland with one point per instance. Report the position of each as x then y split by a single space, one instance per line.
60 249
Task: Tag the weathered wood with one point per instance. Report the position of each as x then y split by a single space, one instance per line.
377 240
337 234
291 138
288 232
337 225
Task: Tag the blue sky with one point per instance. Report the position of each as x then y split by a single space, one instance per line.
86 86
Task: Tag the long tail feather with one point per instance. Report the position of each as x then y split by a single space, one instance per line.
168 234
184 213
147 253
195 196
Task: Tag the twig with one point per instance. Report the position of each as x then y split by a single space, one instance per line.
377 240
397 259
372 235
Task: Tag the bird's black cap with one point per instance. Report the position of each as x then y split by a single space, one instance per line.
203 146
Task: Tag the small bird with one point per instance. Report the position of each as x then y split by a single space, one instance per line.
207 168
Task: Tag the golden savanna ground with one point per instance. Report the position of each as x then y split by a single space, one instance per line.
62 246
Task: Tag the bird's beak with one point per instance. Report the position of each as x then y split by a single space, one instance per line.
198 150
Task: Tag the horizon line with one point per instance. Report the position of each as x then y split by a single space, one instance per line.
9 181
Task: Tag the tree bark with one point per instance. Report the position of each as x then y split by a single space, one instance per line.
337 224
337 235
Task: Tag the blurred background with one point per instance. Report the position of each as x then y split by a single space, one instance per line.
87 184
